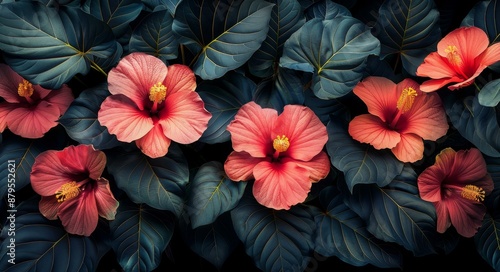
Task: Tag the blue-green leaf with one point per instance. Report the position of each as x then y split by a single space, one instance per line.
211 194
335 51
80 120
286 17
156 5
326 10
215 242
117 14
360 163
408 28
49 46
489 96
342 233
486 240
159 183
276 240
140 234
223 98
154 35
326 108
224 33
476 123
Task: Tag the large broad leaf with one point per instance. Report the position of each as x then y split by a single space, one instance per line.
49 46
326 108
80 120
115 13
342 233
156 5
211 194
223 98
276 240
408 28
361 163
286 17
140 234
215 242
154 35
159 183
335 51
487 241
396 213
489 96
326 10
39 244
224 33
476 123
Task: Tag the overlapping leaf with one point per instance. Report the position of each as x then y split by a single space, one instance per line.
80 120
154 36
140 234
335 51
159 183
360 163
49 46
156 5
342 233
486 240
286 17
224 33
212 194
489 96
326 10
275 240
408 28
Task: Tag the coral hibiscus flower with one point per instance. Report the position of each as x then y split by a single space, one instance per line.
461 56
283 153
400 117
30 110
456 184
153 104
72 188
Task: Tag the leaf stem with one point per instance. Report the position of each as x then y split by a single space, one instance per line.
98 68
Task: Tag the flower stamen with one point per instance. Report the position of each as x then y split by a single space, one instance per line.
281 143
25 89
406 99
452 55
473 193
67 191
157 93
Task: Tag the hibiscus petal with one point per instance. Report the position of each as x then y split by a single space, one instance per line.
280 185
380 96
239 166
467 167
9 82
251 129
367 128
318 167
435 66
180 78
429 183
62 98
409 149
184 117
49 207
33 122
426 118
470 42
491 55
106 202
443 216
154 144
122 118
306 133
83 159
5 108
134 76
79 215
48 173
435 84
466 216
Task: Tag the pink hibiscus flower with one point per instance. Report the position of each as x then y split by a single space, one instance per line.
30 110
72 188
283 153
153 104
461 56
456 184
400 117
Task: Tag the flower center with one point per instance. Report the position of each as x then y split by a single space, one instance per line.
406 99
157 93
67 191
25 89
452 55
281 143
473 192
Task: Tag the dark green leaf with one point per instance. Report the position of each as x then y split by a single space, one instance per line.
115 13
326 10
489 96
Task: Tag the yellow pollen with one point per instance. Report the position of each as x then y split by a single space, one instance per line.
281 143
452 55
25 89
157 93
406 99
473 192
67 191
